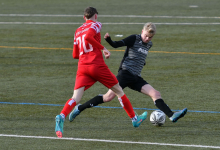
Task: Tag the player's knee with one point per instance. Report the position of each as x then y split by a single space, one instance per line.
117 90
108 97
155 95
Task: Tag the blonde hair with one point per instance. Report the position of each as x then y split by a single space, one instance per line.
150 28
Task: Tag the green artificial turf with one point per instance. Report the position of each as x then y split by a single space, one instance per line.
36 66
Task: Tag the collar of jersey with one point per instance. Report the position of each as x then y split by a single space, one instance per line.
89 21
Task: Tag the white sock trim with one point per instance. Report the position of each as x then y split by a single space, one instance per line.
134 118
63 116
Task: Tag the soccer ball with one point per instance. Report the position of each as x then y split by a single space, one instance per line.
157 118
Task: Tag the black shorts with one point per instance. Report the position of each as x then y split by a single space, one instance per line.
134 82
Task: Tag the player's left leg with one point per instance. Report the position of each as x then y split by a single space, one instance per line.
108 79
178 115
156 97
158 101
126 104
124 101
70 104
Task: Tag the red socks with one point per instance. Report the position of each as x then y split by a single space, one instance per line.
70 104
126 104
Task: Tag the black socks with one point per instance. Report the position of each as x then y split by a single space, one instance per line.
163 107
92 102
99 100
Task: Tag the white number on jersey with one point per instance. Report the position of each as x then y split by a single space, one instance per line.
82 45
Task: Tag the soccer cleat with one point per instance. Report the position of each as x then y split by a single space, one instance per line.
178 115
59 126
74 113
140 119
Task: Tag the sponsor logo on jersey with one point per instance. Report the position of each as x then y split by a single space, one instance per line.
148 47
143 51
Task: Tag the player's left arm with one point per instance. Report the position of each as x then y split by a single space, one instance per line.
106 53
90 39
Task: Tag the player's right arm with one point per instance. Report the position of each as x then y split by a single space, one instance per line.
128 41
75 49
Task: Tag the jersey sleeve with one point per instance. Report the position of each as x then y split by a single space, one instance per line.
75 49
91 33
128 41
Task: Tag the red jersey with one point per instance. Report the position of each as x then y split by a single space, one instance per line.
87 44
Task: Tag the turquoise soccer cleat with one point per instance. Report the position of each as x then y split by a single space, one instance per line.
140 119
74 113
59 126
178 115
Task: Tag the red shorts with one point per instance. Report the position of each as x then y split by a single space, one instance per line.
87 75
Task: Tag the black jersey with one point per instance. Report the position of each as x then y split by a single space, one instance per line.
135 53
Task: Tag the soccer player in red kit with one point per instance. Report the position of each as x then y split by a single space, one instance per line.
92 68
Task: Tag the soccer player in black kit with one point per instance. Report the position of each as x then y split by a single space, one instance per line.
129 74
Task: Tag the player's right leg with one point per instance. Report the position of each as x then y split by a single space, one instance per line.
70 104
99 99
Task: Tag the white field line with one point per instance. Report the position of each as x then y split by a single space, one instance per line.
108 23
113 16
108 141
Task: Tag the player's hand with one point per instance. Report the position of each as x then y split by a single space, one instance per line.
106 53
106 35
